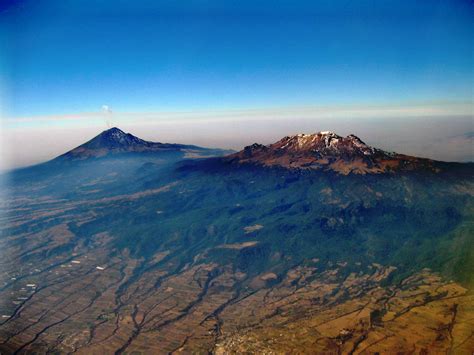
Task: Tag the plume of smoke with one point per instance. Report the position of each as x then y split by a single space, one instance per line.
107 115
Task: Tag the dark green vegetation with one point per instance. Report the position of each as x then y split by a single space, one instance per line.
410 220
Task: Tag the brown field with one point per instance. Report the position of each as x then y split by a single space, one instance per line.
97 300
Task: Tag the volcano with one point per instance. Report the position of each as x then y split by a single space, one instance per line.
115 141
329 151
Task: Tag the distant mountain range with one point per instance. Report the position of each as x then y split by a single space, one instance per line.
314 244
318 151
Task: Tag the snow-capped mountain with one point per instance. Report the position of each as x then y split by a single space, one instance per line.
328 151
326 144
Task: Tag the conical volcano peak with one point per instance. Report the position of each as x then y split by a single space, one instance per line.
114 132
114 138
115 141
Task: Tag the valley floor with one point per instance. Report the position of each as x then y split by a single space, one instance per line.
89 303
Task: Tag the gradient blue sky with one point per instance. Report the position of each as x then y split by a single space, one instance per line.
71 56
229 73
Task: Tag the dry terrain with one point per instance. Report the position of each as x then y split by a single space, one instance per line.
94 301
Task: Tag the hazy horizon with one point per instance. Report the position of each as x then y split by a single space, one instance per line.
440 137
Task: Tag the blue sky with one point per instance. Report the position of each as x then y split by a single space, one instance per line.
64 56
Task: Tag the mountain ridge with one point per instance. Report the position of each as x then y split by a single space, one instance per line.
328 151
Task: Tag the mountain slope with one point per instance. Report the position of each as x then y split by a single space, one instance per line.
114 161
328 151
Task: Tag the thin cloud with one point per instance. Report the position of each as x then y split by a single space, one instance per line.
279 113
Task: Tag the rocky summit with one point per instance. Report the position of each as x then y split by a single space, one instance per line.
328 151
